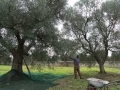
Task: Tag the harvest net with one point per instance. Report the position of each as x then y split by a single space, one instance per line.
36 82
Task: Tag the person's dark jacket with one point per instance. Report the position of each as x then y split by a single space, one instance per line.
76 61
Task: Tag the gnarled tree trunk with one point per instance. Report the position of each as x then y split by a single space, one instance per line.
17 62
101 67
16 72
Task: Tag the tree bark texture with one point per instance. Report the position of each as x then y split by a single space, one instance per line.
17 62
102 69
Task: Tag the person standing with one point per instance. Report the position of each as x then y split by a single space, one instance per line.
76 66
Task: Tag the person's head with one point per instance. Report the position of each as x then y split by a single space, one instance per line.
77 56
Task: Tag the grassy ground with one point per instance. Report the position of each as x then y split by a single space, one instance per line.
69 83
66 83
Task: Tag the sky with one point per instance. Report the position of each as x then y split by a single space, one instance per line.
72 2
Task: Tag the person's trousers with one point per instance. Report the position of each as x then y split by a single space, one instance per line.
76 70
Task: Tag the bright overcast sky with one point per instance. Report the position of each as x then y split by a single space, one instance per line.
72 2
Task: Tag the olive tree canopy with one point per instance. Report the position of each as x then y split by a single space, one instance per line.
95 26
26 25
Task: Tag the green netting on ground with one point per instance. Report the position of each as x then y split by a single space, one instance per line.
46 77
37 82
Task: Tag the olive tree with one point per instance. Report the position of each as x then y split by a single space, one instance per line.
27 25
94 25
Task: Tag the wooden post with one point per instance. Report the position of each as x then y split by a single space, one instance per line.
27 67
